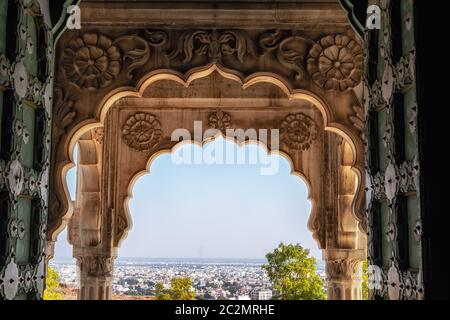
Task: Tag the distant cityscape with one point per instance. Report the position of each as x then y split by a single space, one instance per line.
212 279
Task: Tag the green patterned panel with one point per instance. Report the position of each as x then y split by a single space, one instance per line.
410 125
1 117
414 244
381 46
408 26
382 145
395 180
3 11
11 32
26 43
23 225
28 130
30 41
24 75
386 246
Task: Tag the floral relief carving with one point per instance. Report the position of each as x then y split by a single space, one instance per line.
142 131
98 134
91 61
137 49
121 225
290 51
219 120
358 120
63 108
335 63
298 131
215 44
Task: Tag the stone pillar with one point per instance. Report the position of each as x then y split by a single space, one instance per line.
95 277
344 273
49 251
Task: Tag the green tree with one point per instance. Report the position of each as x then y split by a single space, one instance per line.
52 283
365 278
161 293
180 289
293 274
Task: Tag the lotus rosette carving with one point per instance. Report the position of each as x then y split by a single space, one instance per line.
335 63
298 131
91 61
142 131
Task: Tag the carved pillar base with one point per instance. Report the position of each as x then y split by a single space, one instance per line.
95 277
344 273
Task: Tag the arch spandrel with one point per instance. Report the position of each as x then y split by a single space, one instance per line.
87 98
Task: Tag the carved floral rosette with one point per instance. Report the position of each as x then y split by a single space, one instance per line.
298 131
335 63
91 61
142 131
219 120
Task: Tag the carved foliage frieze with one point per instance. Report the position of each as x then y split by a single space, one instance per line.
93 60
290 51
214 44
63 108
358 119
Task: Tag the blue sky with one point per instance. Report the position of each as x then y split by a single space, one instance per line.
213 211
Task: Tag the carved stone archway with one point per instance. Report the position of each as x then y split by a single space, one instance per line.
121 91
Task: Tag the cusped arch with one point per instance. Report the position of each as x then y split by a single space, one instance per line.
330 124
312 216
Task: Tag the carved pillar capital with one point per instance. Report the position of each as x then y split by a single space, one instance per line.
344 273
96 266
344 269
